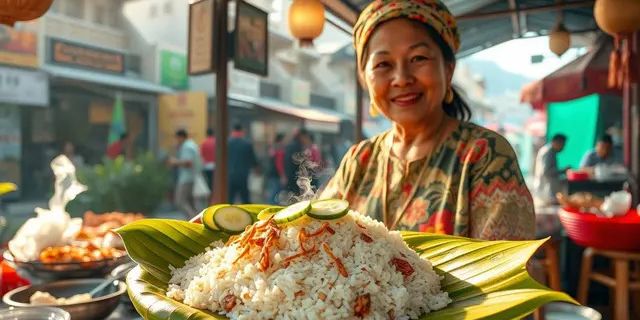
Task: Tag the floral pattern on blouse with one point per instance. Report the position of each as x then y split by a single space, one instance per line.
470 186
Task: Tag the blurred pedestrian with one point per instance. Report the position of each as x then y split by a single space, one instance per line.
69 150
208 153
603 153
187 162
547 175
119 147
242 159
276 177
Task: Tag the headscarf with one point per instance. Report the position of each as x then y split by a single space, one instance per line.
431 12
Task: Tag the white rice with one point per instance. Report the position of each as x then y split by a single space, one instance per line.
208 278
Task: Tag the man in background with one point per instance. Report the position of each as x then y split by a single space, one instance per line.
186 160
298 160
603 153
208 153
242 159
276 177
547 175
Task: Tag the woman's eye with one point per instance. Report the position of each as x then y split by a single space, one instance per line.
419 58
381 64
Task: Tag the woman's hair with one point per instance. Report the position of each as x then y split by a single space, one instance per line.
458 108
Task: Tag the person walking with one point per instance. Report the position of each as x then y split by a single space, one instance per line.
242 159
276 177
187 162
547 175
208 153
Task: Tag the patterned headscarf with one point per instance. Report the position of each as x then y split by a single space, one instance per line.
431 12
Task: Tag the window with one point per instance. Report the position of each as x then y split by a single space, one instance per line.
75 8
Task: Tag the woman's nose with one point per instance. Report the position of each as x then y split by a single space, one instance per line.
403 75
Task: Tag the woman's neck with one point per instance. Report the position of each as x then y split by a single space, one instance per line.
411 142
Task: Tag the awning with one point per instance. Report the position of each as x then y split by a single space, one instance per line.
105 79
581 77
306 113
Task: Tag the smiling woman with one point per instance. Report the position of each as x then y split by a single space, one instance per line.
433 171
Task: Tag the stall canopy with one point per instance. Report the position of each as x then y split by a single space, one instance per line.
584 76
486 23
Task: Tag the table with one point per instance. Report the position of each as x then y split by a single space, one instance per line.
600 188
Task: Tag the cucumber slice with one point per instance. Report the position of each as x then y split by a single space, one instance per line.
328 209
292 212
232 219
207 216
266 213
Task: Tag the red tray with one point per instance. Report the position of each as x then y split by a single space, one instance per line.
620 233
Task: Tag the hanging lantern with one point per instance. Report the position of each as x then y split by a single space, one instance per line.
559 40
12 11
617 16
306 20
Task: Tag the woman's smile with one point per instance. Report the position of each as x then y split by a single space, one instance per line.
406 99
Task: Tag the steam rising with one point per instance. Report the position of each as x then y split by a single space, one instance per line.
307 169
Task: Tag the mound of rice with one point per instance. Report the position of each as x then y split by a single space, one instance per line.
378 283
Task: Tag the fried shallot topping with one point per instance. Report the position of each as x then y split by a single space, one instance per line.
341 269
362 305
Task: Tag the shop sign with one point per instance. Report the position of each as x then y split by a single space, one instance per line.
18 47
87 57
244 83
23 87
186 110
173 70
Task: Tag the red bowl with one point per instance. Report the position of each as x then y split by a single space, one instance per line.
620 233
577 176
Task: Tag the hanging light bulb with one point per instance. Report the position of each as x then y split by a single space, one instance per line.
559 39
306 20
12 11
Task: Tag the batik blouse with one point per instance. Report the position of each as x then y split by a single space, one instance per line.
471 186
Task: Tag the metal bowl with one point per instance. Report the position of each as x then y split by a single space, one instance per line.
35 313
566 311
95 309
65 270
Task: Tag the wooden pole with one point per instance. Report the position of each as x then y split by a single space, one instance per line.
222 115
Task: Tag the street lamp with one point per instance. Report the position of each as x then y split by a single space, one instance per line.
306 20
12 11
617 16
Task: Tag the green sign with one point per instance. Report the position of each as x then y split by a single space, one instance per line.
173 70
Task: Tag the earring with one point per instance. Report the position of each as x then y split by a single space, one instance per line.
373 111
448 98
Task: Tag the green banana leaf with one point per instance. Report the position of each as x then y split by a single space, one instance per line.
485 279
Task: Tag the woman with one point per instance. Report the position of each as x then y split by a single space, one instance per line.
433 171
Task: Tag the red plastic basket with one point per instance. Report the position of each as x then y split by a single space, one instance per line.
620 233
577 176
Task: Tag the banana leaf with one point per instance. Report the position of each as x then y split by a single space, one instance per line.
485 279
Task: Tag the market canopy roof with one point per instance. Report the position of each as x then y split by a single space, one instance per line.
486 23
581 77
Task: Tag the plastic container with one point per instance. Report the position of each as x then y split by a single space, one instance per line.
577 175
39 313
620 233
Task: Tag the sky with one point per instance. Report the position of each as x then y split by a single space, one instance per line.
515 56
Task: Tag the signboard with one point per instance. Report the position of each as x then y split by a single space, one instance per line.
201 37
251 52
86 57
173 70
187 110
20 86
18 47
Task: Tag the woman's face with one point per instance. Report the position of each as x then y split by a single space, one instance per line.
405 72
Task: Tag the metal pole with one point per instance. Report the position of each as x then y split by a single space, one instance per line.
222 115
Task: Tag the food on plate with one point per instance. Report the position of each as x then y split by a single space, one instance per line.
45 298
291 265
70 253
583 201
